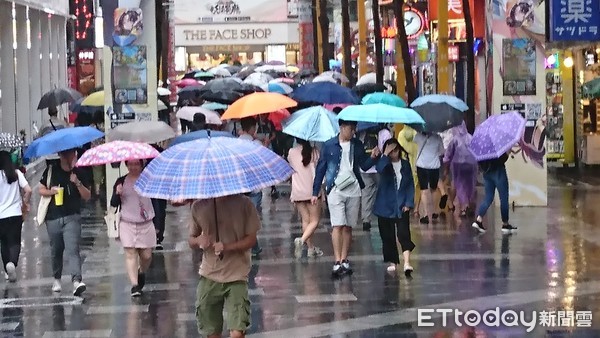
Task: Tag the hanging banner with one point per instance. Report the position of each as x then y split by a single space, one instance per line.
219 11
574 20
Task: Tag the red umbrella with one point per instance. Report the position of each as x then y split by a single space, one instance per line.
277 118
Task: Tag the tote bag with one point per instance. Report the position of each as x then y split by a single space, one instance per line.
113 220
45 201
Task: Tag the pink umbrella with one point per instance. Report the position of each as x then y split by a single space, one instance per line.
117 151
331 107
187 82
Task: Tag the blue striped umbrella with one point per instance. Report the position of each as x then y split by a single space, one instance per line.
210 168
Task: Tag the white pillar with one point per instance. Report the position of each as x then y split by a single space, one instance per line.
54 27
45 54
7 71
62 52
35 64
23 78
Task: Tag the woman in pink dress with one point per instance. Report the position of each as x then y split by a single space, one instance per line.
136 230
303 158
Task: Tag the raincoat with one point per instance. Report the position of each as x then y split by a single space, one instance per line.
463 165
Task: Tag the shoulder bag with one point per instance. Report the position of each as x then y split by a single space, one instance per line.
113 221
45 201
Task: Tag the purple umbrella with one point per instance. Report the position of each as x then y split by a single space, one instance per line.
497 135
276 63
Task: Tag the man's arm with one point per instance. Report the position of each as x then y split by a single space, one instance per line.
320 172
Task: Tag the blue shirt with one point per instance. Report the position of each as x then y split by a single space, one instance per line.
391 198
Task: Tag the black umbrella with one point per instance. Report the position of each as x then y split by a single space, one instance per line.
58 96
221 96
368 88
249 89
304 73
189 92
226 84
190 75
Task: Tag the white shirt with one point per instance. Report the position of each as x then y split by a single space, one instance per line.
346 168
398 171
431 148
10 195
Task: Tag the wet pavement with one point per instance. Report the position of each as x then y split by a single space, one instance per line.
551 264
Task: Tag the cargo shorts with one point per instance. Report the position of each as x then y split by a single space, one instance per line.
212 297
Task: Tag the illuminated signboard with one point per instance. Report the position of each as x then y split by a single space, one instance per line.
83 11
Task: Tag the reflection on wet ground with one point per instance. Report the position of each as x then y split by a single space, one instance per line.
551 264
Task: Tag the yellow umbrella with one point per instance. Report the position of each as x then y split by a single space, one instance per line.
293 69
94 100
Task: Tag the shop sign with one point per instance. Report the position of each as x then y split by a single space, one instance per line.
219 11
453 53
574 20
226 34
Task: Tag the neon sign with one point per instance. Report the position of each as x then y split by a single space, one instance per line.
84 18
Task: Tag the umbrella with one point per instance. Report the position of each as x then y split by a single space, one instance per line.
380 113
190 75
222 96
76 107
161 106
276 63
315 124
186 83
385 98
214 106
293 69
304 73
94 100
497 135
189 92
204 75
369 78
162 91
218 71
142 131
325 93
336 108
441 112
227 84
249 89
230 69
285 80
256 104
337 76
369 88
58 96
211 168
271 68
277 118
324 78
258 79
591 89
200 134
61 140
10 141
116 151
187 113
280 88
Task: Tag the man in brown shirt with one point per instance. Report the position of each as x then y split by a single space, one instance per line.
224 281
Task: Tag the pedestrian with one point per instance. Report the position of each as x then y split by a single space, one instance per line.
160 211
53 123
12 209
198 123
225 238
248 133
429 161
339 165
265 132
303 159
494 178
371 138
99 171
63 219
136 230
461 163
406 138
395 199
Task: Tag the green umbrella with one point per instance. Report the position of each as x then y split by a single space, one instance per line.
204 74
385 98
591 89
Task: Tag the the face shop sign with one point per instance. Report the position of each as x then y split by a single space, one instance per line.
227 34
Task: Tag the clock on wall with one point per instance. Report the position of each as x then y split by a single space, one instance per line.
414 23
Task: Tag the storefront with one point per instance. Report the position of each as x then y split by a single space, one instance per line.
208 32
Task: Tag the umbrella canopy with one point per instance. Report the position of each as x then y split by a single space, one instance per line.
277 117
214 106
204 75
369 88
61 140
591 89
186 83
275 63
256 104
304 73
58 96
227 84
280 88
221 96
293 69
325 93
369 78
94 99
187 113
250 88
162 91
271 68
210 168
142 131
315 124
258 79
440 112
385 98
337 76
10 141
161 105
116 151
380 113
285 80
497 135
324 78
200 134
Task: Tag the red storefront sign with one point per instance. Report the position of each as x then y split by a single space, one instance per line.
453 53
456 12
72 77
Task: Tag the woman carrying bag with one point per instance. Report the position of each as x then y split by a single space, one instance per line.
395 199
136 228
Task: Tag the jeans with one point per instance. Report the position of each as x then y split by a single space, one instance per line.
389 229
64 234
10 239
256 198
495 180
160 214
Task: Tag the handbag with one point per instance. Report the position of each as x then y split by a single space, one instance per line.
343 181
113 221
45 201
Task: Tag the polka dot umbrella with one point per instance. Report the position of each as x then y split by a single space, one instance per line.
497 135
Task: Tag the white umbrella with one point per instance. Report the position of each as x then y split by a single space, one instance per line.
222 72
367 79
162 91
337 76
162 106
324 78
188 112
266 68
258 79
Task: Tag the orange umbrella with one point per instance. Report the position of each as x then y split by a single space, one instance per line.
257 104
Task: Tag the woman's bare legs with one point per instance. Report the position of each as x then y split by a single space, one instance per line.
131 263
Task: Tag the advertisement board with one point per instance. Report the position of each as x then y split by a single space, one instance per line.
231 11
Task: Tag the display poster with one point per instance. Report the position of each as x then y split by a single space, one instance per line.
231 11
518 61
129 25
130 75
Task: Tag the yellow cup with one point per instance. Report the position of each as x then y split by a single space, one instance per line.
59 197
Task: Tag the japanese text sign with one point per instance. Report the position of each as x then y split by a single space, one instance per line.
575 20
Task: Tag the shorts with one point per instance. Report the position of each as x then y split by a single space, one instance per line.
343 210
212 297
428 178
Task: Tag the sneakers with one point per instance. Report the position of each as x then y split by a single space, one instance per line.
408 270
391 268
159 247
346 267
141 279
479 226
366 226
78 288
136 291
11 272
506 229
443 202
314 252
256 252
56 287
424 220
337 270
298 247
